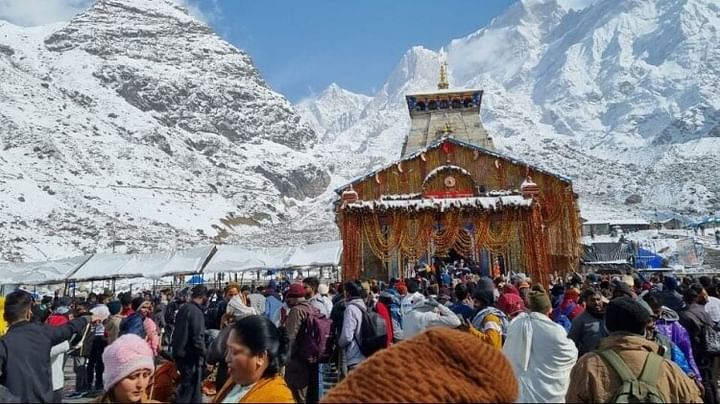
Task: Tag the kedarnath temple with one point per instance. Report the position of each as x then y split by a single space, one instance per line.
453 195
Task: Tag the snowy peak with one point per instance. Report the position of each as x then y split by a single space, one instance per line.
418 70
333 111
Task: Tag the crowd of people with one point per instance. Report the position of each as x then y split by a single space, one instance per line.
445 334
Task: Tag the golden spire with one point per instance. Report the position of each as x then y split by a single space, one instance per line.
443 83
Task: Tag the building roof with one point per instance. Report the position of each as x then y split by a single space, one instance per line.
437 144
619 222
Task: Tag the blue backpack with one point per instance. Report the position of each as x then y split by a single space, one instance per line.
563 317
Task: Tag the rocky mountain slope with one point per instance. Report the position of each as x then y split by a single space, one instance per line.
135 125
620 95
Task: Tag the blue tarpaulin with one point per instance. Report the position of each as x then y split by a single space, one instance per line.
648 259
196 280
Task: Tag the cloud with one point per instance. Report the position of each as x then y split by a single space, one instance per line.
40 12
208 11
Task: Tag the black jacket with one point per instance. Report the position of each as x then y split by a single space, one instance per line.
188 342
25 358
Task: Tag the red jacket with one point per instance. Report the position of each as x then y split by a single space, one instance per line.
383 312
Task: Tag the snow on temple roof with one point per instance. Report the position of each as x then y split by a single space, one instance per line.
438 143
441 204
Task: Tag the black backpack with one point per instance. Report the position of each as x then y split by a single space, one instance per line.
373 334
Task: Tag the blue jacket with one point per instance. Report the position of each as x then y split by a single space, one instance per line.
133 324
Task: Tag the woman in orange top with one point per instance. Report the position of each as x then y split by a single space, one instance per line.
256 351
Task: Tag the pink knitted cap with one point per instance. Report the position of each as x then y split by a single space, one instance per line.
126 355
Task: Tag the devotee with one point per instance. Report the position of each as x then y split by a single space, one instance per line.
256 352
349 338
188 346
313 297
668 350
25 359
426 313
667 324
439 365
489 324
463 306
540 353
301 376
669 296
596 376
568 309
510 302
128 368
695 319
588 328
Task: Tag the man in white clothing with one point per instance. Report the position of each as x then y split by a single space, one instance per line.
323 291
427 313
257 300
540 353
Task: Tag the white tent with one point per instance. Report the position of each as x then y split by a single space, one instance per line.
167 263
320 254
230 258
102 266
35 273
151 266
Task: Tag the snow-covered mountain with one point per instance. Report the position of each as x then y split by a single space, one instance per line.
135 124
620 95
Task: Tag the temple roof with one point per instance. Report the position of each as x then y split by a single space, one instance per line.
437 144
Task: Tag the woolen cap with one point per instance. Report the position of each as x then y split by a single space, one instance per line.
447 371
296 290
510 304
126 355
114 307
538 300
626 314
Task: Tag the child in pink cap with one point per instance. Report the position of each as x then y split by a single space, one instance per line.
129 366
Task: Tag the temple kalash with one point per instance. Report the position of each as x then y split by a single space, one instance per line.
452 196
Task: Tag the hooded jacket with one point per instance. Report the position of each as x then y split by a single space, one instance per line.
593 380
669 325
424 314
350 333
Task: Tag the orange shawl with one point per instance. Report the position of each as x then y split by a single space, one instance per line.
268 390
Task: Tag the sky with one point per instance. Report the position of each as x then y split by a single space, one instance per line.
301 47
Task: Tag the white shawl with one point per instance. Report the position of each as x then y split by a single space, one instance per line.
542 357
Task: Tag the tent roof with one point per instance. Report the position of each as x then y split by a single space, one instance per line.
320 254
152 266
32 273
230 258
